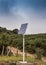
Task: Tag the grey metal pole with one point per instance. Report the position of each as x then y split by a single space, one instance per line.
23 48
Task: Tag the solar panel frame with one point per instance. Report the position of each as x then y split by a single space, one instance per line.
23 28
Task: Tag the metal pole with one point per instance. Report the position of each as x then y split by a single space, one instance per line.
23 49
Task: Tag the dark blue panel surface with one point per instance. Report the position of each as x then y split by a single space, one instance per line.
23 28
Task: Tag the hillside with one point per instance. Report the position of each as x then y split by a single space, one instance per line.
32 42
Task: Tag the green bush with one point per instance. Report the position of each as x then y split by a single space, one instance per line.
39 53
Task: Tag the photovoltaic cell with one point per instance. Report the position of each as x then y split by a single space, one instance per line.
23 28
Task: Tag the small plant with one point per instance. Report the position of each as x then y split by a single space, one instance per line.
39 53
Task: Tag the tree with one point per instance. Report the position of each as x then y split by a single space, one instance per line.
15 31
5 42
30 46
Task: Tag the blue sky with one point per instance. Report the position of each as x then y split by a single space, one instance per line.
13 13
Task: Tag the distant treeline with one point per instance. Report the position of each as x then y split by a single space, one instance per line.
8 31
32 42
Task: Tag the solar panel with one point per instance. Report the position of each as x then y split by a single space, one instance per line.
23 28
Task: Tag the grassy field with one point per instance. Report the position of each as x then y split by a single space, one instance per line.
14 58
10 58
19 58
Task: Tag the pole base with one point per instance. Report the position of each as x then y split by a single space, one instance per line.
23 62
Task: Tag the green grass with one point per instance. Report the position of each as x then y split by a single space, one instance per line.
30 59
14 58
19 58
10 58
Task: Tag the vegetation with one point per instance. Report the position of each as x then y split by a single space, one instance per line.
15 59
36 41
32 42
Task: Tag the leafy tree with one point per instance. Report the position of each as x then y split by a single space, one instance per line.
15 31
5 42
